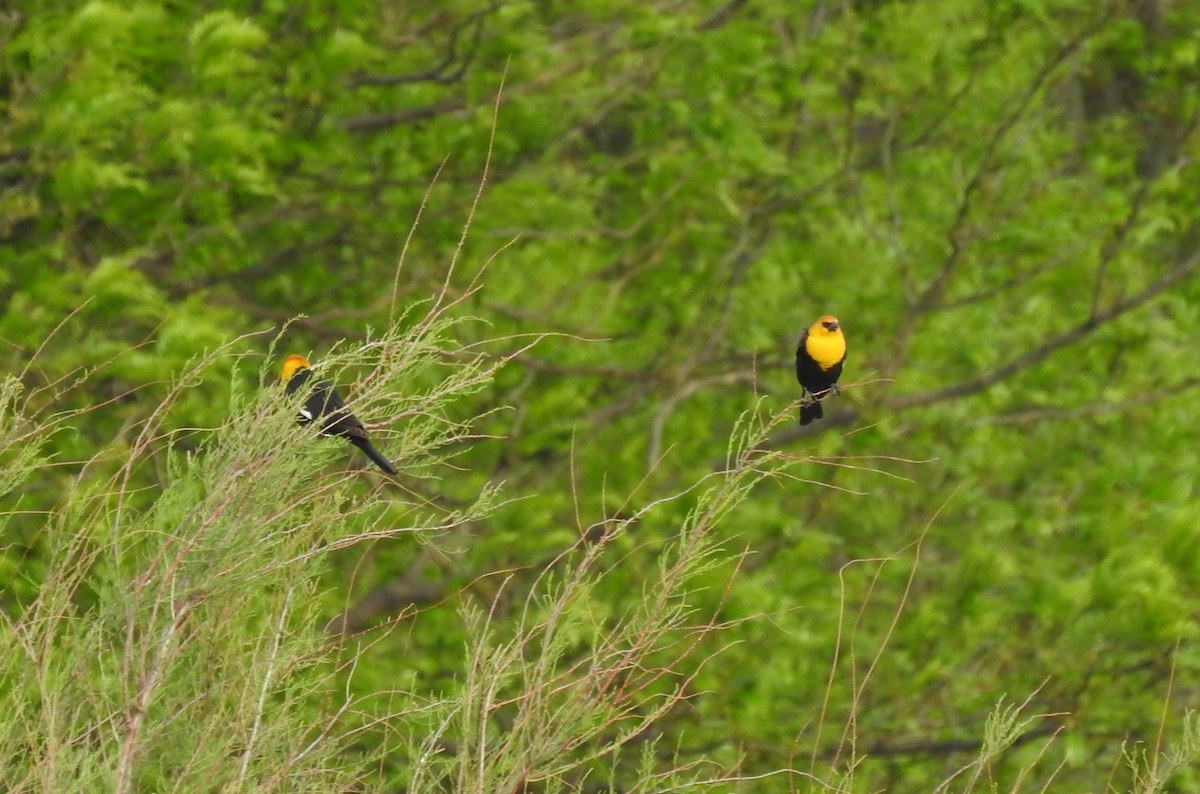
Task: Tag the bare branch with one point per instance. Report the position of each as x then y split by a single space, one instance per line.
373 122
1053 413
444 72
1043 351
933 292
722 15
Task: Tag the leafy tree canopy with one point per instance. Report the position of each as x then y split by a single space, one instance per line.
559 255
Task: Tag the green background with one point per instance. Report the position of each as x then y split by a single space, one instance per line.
998 199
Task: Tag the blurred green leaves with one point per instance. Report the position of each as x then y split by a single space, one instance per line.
675 190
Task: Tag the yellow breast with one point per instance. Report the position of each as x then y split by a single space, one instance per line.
827 349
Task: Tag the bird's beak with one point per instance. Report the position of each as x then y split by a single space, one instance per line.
833 326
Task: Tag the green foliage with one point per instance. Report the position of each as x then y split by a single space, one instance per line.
172 642
999 200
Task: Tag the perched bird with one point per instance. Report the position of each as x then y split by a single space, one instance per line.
326 405
819 359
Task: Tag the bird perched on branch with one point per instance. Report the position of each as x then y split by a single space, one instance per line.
819 359
325 405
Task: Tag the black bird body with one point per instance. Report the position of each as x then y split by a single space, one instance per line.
325 405
820 356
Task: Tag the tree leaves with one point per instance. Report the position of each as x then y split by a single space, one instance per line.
998 200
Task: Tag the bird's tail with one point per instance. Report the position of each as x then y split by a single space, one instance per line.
810 411
375 455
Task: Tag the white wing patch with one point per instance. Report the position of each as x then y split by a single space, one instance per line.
305 415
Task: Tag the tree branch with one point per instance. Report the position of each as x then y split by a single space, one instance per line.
722 15
373 122
441 72
1043 351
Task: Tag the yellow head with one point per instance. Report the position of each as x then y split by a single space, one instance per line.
293 364
825 342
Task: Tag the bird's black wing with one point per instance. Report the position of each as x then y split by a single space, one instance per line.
337 420
297 380
803 360
313 405
835 372
326 405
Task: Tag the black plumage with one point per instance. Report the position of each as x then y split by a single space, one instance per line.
326 405
819 359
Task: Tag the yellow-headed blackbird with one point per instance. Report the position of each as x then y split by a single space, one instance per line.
819 359
326 404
